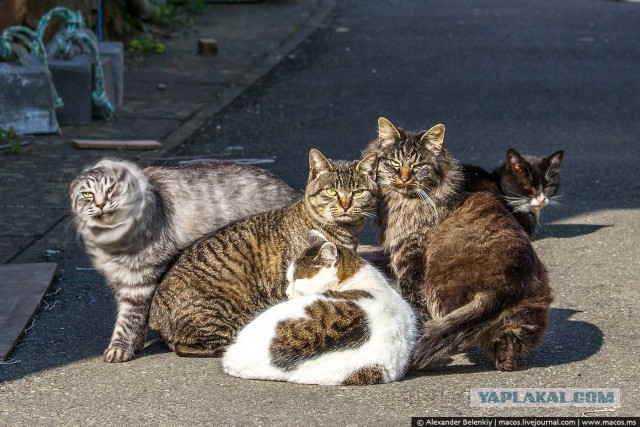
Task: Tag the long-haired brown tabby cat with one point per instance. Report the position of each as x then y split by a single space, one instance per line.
465 261
225 280
526 184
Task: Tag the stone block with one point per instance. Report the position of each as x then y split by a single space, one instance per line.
26 99
114 51
73 80
207 47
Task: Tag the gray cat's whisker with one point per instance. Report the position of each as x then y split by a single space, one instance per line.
425 197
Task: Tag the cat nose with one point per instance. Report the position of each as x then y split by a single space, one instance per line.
100 203
405 174
345 203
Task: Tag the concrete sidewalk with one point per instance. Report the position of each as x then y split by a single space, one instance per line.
252 38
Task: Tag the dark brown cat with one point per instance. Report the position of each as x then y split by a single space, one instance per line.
225 280
526 184
462 260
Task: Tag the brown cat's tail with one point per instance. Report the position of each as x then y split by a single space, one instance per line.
455 332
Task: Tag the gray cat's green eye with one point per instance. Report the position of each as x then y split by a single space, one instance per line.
87 195
331 192
357 193
394 163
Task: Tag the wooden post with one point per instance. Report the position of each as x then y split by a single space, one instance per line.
13 12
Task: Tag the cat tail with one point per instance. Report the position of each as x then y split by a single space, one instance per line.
456 331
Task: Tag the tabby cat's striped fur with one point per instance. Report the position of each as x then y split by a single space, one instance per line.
135 221
222 282
343 324
462 259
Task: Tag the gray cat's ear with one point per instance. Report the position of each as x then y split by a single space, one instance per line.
318 163
368 165
387 131
515 162
316 238
434 137
329 253
555 159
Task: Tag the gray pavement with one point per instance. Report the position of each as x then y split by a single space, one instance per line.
535 76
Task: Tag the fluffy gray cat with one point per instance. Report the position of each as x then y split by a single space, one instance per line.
135 221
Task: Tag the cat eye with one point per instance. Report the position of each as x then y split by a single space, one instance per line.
87 195
331 192
357 193
394 163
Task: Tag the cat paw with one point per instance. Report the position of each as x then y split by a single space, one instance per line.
117 354
506 364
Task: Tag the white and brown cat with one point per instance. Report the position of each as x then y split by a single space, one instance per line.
344 324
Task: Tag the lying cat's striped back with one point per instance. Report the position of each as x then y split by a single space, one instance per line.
221 282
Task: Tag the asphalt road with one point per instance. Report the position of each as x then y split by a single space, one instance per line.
536 76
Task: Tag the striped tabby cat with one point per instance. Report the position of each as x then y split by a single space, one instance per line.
343 325
135 221
222 282
465 262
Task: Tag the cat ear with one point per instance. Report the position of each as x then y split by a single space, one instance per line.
387 131
515 162
555 159
316 238
434 137
318 163
368 165
329 252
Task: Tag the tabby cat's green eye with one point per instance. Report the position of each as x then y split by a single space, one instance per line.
331 192
357 193
87 195
394 163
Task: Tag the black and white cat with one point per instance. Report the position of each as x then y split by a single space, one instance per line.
135 221
526 184
343 324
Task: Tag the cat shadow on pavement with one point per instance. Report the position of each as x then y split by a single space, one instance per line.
565 231
154 345
566 341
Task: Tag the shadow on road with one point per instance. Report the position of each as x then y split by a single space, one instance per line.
567 341
565 231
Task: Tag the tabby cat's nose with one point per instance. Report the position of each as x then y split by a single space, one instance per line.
405 174
345 203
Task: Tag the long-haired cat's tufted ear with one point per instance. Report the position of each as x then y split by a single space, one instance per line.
369 165
515 162
318 163
387 131
316 238
434 137
555 159
329 252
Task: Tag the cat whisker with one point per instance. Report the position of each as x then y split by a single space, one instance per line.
422 194
553 201
370 215
523 208
550 173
